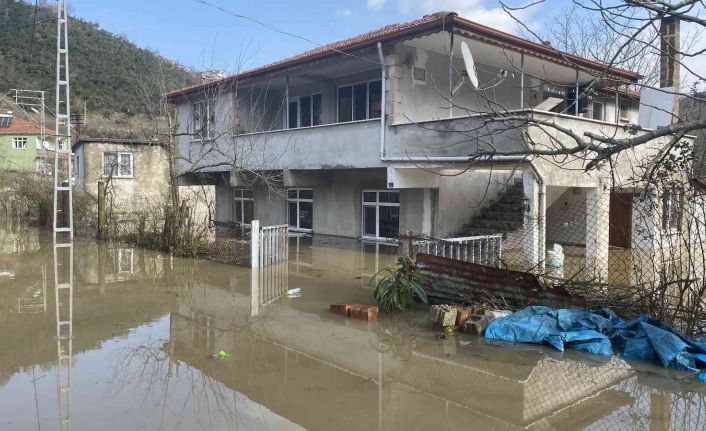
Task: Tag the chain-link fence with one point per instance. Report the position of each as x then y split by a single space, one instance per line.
638 251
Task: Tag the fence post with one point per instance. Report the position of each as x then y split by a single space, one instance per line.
255 244
102 214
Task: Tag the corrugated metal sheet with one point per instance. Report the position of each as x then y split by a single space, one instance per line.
455 281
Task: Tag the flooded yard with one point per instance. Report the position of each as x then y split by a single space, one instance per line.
146 327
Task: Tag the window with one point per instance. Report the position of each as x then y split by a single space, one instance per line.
19 143
304 111
243 206
300 209
598 111
204 119
672 200
117 165
360 101
624 113
293 114
381 214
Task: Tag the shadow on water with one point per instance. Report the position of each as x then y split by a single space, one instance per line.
147 330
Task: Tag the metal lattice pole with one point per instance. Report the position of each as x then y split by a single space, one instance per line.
62 150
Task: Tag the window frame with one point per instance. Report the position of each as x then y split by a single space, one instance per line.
299 200
593 110
117 174
377 205
243 198
671 218
16 139
210 115
298 101
367 100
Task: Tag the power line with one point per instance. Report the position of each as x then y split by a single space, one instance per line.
278 30
31 44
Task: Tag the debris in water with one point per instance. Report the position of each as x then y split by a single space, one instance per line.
220 355
443 315
294 293
356 311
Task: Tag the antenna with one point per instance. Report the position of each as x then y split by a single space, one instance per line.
470 64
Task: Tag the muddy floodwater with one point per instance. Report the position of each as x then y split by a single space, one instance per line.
130 345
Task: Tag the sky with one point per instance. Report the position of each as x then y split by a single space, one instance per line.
202 37
198 35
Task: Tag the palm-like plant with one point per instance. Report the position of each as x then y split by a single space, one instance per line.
399 285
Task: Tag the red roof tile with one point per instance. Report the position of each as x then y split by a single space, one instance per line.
435 21
23 127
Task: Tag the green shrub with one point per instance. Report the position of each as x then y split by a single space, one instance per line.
399 285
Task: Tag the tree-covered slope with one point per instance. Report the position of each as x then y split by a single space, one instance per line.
109 73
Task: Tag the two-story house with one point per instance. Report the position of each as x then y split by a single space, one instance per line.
21 146
370 137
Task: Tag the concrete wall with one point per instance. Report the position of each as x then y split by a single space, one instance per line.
149 184
566 217
337 204
461 197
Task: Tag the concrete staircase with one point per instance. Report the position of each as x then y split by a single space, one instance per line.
504 215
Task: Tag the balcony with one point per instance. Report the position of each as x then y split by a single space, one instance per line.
357 144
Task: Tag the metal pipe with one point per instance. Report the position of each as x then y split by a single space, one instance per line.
522 81
576 95
451 70
383 100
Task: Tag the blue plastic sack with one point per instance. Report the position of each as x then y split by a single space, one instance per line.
602 332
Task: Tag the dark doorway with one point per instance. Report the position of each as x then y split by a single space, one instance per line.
620 233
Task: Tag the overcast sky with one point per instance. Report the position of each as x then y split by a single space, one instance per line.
202 37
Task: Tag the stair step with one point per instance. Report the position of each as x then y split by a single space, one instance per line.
500 225
505 207
489 214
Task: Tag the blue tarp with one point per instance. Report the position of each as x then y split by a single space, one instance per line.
602 332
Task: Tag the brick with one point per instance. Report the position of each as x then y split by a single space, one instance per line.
363 312
342 309
462 314
443 315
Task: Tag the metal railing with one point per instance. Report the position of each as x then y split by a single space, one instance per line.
483 250
269 244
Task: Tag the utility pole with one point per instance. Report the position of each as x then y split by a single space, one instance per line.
63 221
63 214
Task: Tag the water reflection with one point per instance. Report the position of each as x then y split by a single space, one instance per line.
146 328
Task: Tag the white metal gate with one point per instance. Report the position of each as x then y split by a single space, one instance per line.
269 244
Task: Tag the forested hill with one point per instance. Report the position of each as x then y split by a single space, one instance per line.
109 73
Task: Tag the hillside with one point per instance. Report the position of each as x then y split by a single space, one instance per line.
109 73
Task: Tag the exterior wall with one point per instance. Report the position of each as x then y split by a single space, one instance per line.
149 183
337 205
18 160
566 218
461 197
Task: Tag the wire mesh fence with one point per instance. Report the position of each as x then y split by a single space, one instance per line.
638 251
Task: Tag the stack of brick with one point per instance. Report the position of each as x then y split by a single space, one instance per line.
356 311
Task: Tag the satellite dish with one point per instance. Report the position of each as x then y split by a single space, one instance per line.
470 64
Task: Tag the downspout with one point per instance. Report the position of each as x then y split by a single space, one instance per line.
383 102
451 71
542 194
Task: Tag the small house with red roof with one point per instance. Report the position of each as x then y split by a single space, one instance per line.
21 146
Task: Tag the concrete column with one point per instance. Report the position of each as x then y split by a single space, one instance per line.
530 240
426 212
597 229
393 96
